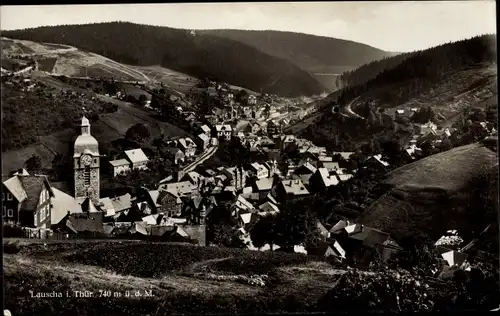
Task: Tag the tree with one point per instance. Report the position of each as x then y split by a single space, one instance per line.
296 225
138 133
142 99
264 231
34 164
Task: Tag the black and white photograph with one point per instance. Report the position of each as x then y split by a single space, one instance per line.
238 158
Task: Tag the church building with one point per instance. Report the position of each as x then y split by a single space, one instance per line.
86 165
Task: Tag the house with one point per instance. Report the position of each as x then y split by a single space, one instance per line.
329 249
202 141
122 203
61 204
235 177
274 128
137 158
170 203
247 220
196 209
258 170
119 166
182 189
205 129
330 166
286 141
288 189
377 161
369 242
212 91
194 177
305 171
241 206
176 155
268 208
88 222
412 152
27 201
322 230
107 206
223 131
427 128
187 146
272 167
323 178
263 187
454 258
252 99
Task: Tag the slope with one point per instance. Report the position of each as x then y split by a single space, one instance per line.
448 78
456 189
198 55
323 57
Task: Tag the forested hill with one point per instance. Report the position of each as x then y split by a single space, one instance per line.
369 71
315 54
423 69
199 55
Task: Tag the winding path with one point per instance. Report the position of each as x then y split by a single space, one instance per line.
348 112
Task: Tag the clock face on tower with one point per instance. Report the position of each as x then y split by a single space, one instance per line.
86 160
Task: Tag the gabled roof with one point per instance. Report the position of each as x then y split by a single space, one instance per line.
454 257
344 177
203 137
107 206
330 166
15 186
119 162
136 155
307 167
187 142
339 226
62 204
123 202
242 203
264 184
181 188
205 128
164 193
269 207
153 194
326 178
33 186
295 187
220 128
378 158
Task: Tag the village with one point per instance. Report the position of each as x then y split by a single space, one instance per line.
180 206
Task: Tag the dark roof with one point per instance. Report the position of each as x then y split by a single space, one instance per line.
33 186
370 236
320 250
91 222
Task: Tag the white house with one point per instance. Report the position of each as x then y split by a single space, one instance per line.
119 166
137 158
187 146
224 131
259 170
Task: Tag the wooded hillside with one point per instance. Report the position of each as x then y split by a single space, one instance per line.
199 55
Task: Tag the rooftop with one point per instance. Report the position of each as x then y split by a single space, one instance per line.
136 155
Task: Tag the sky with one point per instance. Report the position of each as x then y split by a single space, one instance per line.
399 26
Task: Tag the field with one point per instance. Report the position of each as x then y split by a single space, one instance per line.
438 193
170 271
175 80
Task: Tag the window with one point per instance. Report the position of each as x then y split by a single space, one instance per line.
9 197
10 213
86 175
4 211
46 194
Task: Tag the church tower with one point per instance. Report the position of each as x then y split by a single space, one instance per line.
86 164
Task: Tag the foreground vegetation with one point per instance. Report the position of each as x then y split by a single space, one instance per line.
293 285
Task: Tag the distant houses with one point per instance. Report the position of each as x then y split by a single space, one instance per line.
134 159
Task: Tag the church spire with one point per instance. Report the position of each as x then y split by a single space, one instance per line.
85 126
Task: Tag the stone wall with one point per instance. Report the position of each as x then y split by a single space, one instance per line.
81 188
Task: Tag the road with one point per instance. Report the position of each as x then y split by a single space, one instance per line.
209 153
348 112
